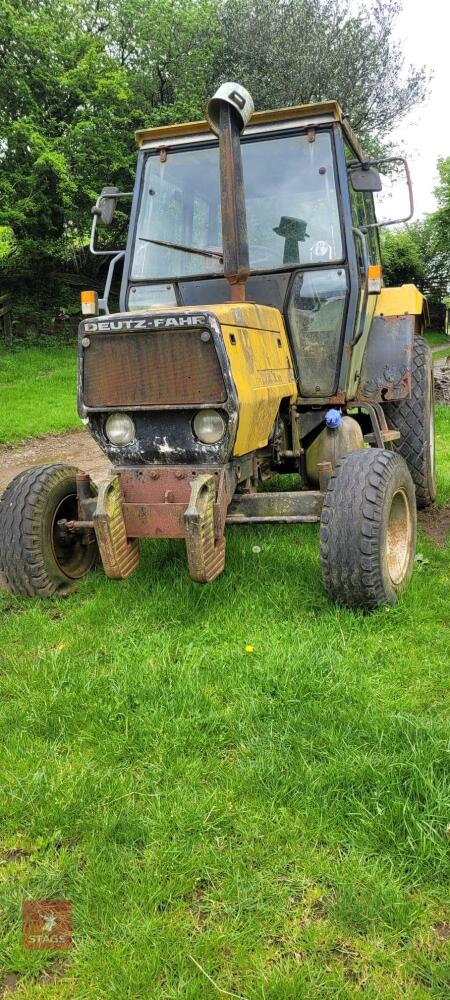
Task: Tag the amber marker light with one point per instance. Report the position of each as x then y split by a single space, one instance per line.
89 303
374 277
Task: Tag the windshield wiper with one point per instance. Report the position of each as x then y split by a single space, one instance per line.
184 247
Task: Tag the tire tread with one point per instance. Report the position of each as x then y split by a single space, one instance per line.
351 527
22 567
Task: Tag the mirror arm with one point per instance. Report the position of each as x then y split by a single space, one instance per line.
96 212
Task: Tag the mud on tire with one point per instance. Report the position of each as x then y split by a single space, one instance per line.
414 418
368 529
36 559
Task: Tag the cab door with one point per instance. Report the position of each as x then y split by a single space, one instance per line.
368 252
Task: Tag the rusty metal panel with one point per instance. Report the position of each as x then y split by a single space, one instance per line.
386 368
154 520
156 499
152 368
170 483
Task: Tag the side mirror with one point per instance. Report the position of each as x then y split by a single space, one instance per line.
365 179
103 212
106 205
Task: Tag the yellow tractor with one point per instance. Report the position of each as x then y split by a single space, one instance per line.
254 337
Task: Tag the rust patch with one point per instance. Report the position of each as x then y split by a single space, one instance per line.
150 485
154 520
435 522
151 368
155 500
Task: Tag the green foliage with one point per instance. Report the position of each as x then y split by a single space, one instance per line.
420 252
403 260
301 51
441 218
79 76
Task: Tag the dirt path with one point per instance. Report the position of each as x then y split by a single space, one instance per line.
76 448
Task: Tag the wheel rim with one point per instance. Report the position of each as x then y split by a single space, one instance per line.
73 558
399 537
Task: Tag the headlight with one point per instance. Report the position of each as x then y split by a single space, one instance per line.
120 429
209 426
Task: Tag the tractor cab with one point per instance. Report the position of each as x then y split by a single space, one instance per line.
309 225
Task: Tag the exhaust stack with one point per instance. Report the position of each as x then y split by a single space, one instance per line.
228 112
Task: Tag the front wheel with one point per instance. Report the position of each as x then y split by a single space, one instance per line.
37 557
368 529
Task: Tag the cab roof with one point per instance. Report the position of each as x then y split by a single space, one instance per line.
331 109
325 111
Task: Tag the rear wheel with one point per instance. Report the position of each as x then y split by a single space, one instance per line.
37 557
368 529
414 418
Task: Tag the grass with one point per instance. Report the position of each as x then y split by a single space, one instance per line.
275 817
38 390
436 337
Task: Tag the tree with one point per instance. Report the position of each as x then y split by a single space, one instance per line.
414 254
403 257
79 76
441 218
301 51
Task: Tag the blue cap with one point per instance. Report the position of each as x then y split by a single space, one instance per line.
333 419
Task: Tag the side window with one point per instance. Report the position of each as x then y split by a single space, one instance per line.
373 241
316 318
363 212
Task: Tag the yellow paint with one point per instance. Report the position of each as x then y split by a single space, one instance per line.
261 366
406 300
260 362
329 108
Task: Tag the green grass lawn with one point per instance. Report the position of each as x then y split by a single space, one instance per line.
277 817
37 390
436 337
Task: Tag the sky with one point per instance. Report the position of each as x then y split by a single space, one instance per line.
423 28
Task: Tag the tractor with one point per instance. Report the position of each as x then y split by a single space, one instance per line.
254 338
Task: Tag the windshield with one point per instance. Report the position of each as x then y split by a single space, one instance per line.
292 207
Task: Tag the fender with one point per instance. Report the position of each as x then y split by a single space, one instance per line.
385 375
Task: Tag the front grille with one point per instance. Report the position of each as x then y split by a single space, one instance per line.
153 368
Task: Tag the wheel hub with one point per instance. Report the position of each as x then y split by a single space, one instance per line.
73 555
399 537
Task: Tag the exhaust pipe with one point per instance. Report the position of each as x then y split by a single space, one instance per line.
228 112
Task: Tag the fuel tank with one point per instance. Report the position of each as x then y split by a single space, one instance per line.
339 436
